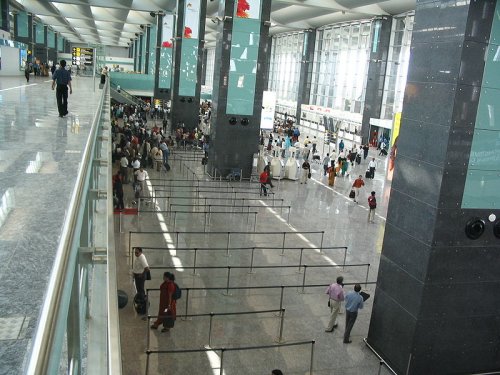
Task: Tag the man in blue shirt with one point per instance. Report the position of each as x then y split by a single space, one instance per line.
63 79
353 302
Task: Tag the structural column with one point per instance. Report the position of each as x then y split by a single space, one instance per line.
437 303
240 60
374 93
163 53
188 53
306 67
4 15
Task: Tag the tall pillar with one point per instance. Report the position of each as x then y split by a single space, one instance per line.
164 51
306 67
147 34
379 52
23 28
437 304
240 58
140 66
136 54
188 50
4 15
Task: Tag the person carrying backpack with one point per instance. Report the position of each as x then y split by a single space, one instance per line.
372 204
167 311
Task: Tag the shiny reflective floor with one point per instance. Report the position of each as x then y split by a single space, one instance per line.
39 158
314 207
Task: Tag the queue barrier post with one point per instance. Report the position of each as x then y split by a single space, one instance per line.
228 243
194 262
283 244
222 350
251 261
312 357
345 258
367 272
279 339
148 353
300 259
186 312
210 329
304 278
321 245
227 284
255 222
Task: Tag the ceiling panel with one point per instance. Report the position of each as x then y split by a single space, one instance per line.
115 22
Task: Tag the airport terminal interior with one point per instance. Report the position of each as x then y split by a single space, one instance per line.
249 187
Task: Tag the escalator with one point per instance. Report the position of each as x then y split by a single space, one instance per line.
123 96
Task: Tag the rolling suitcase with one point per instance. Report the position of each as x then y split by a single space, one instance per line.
367 174
140 304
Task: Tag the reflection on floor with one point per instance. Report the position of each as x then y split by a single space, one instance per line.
315 208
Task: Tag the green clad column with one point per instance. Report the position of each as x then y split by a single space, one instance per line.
164 52
188 53
239 79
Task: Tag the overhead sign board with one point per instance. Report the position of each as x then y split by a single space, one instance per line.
82 56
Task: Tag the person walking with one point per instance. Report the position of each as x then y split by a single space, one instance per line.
118 189
62 78
141 176
356 185
167 306
372 165
27 72
372 204
326 162
353 302
331 173
139 270
306 171
336 295
366 148
263 179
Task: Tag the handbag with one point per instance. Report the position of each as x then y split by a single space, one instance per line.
148 275
309 175
328 302
168 320
352 194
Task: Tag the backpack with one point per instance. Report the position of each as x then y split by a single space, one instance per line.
178 292
372 202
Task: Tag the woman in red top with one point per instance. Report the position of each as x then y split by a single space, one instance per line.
263 179
167 301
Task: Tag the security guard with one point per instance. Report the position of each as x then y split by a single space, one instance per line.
63 79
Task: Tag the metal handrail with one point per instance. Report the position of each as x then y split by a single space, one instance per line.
57 300
114 343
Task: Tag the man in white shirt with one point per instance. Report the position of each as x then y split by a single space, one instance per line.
139 270
371 167
141 175
124 168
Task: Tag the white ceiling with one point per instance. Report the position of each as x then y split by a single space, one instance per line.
115 22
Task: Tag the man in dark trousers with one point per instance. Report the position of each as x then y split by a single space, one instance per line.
353 302
62 78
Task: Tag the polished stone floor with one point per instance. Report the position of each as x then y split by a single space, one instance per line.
39 158
315 207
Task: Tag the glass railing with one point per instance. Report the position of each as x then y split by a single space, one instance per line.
65 336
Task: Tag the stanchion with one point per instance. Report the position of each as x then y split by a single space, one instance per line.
345 257
221 372
279 339
175 218
120 221
283 245
186 313
300 259
381 363
288 219
210 329
205 222
176 239
367 272
194 262
255 222
228 243
312 357
321 245
227 284
304 278
251 261
148 353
